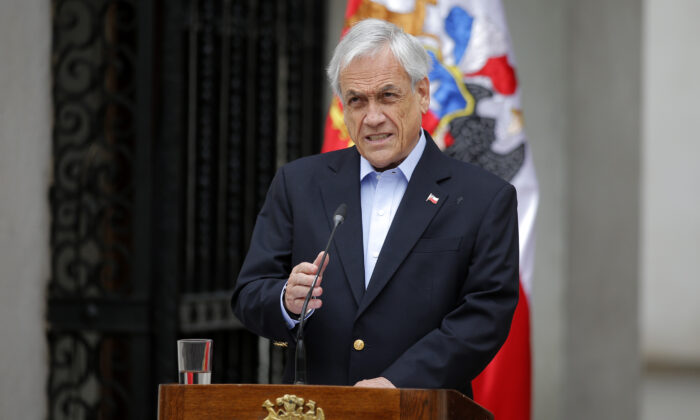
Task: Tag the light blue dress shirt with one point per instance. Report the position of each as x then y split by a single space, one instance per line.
380 196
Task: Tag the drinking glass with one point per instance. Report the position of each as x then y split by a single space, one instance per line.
194 360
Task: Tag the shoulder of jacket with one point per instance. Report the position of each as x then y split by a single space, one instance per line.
316 161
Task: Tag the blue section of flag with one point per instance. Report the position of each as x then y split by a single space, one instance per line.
458 26
447 95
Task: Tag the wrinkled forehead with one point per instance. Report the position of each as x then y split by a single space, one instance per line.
373 72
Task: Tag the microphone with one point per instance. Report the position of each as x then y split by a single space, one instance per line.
300 355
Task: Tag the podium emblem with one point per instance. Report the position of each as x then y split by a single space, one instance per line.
291 407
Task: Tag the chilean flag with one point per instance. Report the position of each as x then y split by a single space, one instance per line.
475 116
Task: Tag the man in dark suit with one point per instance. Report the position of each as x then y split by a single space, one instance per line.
422 279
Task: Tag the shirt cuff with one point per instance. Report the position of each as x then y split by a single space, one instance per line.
291 322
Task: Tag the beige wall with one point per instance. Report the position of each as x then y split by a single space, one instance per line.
25 141
670 314
603 139
671 192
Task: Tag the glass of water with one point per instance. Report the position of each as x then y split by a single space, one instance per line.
194 360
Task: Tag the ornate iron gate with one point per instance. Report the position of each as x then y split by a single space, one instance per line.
170 119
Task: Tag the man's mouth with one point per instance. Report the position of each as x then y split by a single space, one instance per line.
377 137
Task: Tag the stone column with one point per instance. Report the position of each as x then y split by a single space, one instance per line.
25 147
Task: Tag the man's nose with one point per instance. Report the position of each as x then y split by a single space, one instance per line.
375 114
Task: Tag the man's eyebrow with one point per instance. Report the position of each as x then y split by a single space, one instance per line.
383 89
388 88
351 92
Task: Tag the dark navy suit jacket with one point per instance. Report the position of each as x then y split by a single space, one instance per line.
443 292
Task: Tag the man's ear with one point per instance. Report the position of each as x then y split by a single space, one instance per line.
423 90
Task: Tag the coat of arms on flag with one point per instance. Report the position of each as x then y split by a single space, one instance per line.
474 116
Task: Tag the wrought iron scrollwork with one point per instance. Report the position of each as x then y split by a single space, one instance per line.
93 59
93 147
77 392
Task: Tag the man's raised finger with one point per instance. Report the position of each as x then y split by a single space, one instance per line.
305 268
317 262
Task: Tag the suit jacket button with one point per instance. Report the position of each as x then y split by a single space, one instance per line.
358 345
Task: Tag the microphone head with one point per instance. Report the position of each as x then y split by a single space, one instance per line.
339 215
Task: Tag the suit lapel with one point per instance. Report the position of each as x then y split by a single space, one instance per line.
343 186
413 216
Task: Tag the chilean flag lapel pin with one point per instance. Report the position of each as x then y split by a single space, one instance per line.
432 198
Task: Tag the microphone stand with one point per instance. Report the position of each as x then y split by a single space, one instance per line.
300 355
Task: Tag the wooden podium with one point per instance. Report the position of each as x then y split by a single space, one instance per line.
309 402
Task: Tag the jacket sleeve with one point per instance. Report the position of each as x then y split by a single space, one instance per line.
256 296
470 335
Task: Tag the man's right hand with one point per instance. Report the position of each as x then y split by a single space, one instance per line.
298 285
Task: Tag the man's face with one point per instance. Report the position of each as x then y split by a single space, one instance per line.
382 112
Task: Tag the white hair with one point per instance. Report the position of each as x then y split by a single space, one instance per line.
369 37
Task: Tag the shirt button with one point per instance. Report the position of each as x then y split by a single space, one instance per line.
380 212
375 254
358 345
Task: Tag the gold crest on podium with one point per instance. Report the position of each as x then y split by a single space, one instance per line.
291 407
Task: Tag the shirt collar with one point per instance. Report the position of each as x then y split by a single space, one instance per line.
406 167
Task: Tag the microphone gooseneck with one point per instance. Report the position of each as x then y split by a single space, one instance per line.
300 355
